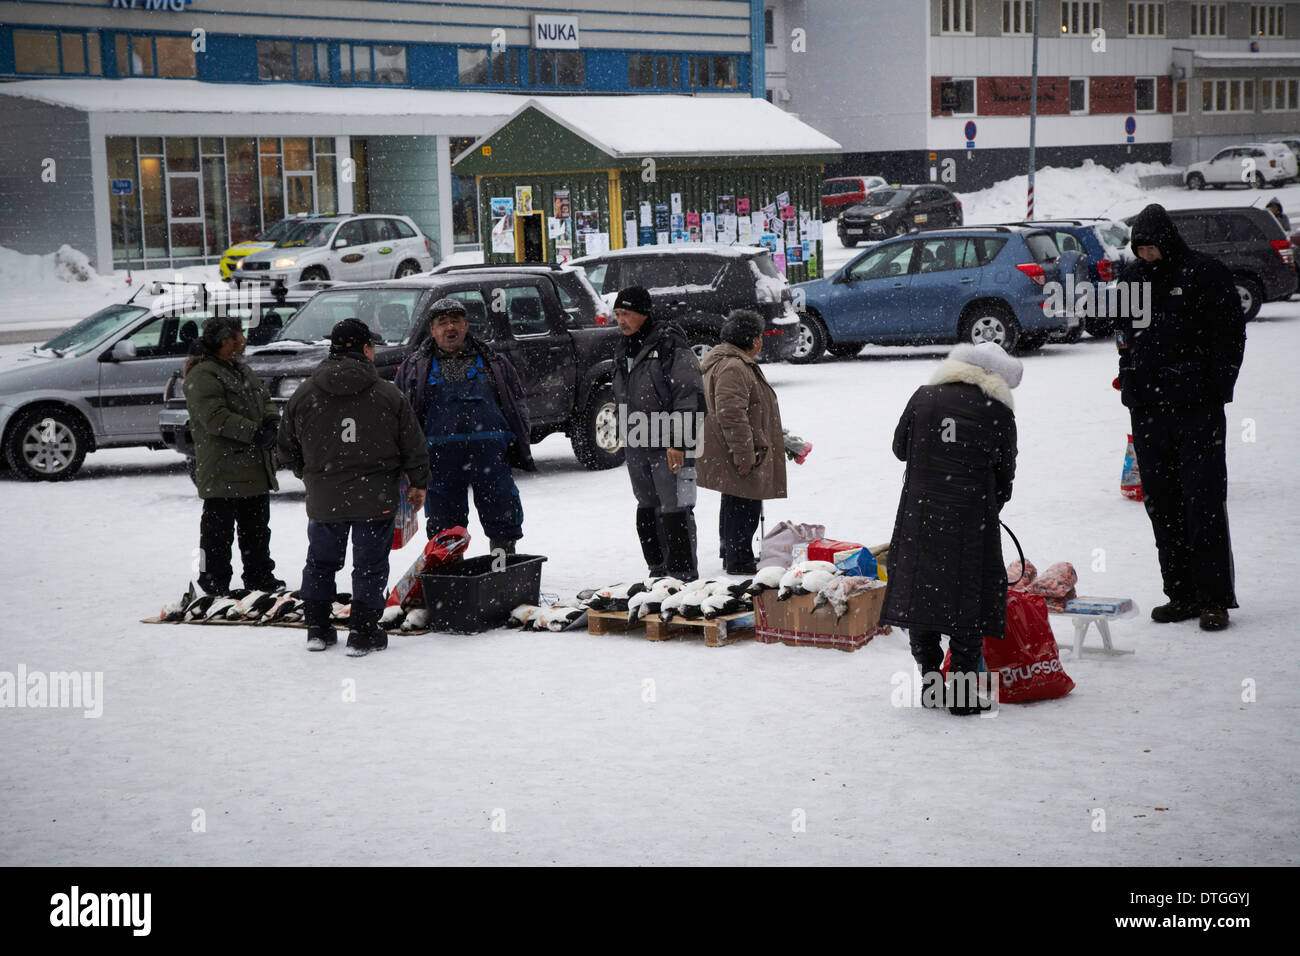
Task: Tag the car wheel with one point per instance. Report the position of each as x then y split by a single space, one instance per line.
848 243
408 268
901 230
701 344
810 344
844 349
595 432
1099 328
1252 296
1259 180
314 274
1195 181
47 444
990 323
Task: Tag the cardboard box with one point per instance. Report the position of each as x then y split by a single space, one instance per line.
794 622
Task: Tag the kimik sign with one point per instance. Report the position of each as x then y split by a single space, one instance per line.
555 33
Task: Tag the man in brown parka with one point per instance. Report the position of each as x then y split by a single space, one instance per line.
743 453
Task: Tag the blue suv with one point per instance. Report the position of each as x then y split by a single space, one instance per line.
974 284
1104 242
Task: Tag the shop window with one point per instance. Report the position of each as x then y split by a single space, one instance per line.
182 155
49 53
297 154
666 71
965 90
1144 94
472 66
153 205
272 182
505 67
719 72
725 72
360 175
700 73
214 204
74 52
245 199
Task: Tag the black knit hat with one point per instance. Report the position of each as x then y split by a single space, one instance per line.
351 335
216 330
634 299
741 328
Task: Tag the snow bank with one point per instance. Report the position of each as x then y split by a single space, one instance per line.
20 271
1059 194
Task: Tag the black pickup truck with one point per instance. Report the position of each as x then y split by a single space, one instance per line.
565 361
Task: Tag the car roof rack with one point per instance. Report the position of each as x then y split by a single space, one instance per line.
473 266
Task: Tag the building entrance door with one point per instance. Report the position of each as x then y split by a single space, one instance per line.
185 215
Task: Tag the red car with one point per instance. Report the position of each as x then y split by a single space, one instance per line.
846 191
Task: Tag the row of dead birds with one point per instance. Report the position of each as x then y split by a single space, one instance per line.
544 617
277 607
669 597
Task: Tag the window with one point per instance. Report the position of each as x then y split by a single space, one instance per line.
945 255
769 28
893 259
1180 97
556 68
666 71
653 272
1146 19
382 63
175 57
505 67
596 275
1078 95
1267 19
476 311
353 232
401 229
390 63
699 271
1080 17
471 65
1227 96
956 16
1144 94
525 311
1276 95
169 56
965 98
719 72
275 60
1017 17
43 52
379 230
1209 20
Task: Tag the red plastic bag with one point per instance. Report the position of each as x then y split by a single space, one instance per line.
443 548
1026 660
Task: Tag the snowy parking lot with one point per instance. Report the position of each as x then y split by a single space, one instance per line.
235 746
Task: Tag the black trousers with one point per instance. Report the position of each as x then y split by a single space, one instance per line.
327 545
737 522
217 527
928 654
1180 455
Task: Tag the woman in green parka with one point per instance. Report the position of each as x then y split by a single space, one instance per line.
234 423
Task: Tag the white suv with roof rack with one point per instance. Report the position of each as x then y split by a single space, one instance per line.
348 248
1249 164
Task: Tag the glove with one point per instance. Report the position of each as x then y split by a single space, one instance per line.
265 437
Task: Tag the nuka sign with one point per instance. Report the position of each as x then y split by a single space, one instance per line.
555 33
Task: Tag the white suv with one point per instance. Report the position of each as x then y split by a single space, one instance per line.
357 248
1250 164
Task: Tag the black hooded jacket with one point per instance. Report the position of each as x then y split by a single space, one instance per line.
350 436
1185 348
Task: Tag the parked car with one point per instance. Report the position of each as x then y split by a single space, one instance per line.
1250 164
566 367
896 211
100 384
264 240
584 304
977 284
1250 242
355 248
841 191
1294 146
696 286
1103 242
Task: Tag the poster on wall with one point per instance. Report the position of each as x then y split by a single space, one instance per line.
770 210
743 229
727 229
661 218
629 230
596 242
815 229
647 217
768 241
742 207
646 236
503 208
679 236
726 206
758 223
793 253
560 205
677 223
554 228
805 223
787 213
693 226
563 253
783 199
661 238
778 260
676 199
503 224
524 200
708 228
588 220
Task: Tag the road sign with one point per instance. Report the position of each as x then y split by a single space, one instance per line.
970 129
122 187
1130 125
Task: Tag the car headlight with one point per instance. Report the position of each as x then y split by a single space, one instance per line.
287 387
880 215
285 262
239 263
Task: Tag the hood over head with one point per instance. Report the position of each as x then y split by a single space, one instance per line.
345 373
1153 227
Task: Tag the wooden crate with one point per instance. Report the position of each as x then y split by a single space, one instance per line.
726 629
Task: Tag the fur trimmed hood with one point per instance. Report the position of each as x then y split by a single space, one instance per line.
991 383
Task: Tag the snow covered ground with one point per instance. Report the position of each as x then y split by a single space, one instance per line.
560 741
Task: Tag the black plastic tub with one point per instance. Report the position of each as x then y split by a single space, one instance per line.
468 596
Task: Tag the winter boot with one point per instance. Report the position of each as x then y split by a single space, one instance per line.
647 529
508 546
1214 619
320 633
365 635
211 585
679 538
265 582
1174 611
964 672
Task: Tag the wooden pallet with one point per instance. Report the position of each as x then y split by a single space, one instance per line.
721 630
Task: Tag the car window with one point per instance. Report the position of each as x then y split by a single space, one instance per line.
944 255
390 312
148 337
1042 246
987 249
1242 228
525 311
307 234
889 260
700 271
379 230
476 311
596 275
1067 242
1224 154
354 232
1113 236
400 229
654 272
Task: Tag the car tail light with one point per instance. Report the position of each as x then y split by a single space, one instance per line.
1284 251
774 331
1034 271
1273 163
427 248
1105 270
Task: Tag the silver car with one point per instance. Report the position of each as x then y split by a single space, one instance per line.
100 384
352 248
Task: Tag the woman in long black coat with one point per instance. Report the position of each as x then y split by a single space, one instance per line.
946 575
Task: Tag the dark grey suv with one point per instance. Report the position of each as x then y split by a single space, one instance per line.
1250 242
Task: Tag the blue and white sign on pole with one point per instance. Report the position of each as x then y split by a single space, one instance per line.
123 187
970 134
1130 127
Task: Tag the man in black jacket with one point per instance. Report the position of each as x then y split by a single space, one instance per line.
660 391
351 436
470 405
1178 364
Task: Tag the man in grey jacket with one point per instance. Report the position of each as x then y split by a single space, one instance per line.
660 397
351 436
